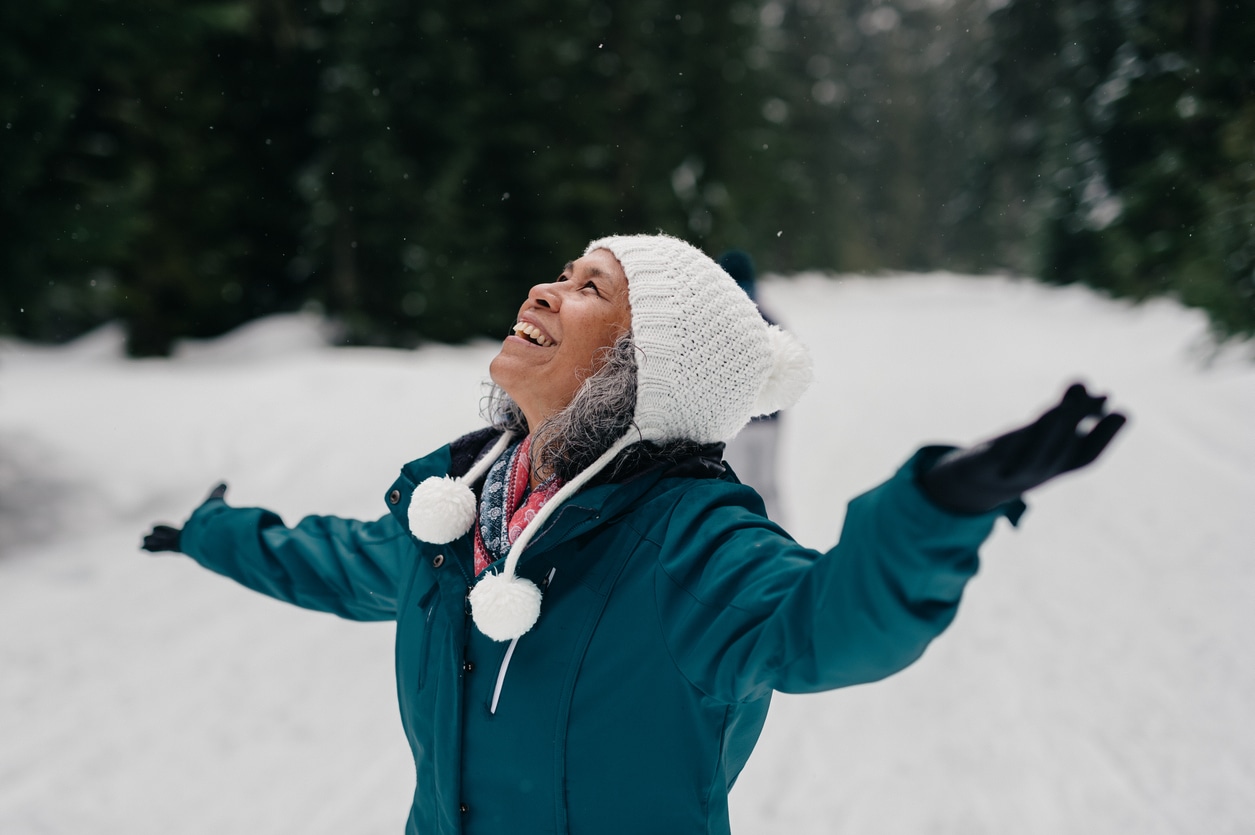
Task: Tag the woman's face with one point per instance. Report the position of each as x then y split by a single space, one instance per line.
560 333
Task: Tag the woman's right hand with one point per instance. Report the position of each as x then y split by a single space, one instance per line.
166 537
162 538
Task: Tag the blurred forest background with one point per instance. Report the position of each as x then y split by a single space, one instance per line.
410 168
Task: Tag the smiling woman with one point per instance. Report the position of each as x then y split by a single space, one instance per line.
672 606
563 329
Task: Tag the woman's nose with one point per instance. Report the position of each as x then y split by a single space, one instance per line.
545 295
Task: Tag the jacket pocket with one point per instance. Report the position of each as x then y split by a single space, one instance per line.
428 605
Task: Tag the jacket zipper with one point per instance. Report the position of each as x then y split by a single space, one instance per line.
509 653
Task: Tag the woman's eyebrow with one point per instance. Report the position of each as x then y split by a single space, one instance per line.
592 272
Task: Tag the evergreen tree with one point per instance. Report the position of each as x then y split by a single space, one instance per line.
1148 160
67 201
415 168
888 155
466 153
151 154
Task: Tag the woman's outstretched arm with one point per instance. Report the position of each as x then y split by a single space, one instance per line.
349 568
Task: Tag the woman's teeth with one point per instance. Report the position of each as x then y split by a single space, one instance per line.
533 333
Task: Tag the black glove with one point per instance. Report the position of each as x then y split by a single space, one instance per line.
978 479
162 538
165 537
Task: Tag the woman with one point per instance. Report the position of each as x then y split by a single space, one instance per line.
592 613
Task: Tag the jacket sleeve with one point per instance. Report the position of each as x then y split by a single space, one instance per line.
745 610
348 568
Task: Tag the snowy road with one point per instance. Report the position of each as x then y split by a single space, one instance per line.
1099 677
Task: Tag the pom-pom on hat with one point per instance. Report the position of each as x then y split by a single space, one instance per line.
706 364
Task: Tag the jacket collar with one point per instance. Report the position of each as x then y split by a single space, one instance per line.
604 499
705 461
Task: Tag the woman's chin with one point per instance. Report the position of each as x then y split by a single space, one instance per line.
511 373
500 368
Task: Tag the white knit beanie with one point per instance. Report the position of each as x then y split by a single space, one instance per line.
706 362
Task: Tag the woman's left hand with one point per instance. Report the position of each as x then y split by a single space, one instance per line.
1066 438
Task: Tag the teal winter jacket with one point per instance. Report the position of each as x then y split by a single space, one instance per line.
672 609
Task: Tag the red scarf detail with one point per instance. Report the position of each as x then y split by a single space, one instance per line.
521 512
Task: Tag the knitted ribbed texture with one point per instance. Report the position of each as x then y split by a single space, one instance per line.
704 354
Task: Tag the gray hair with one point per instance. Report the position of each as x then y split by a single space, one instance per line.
601 413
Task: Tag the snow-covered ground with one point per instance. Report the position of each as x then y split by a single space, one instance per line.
1099 677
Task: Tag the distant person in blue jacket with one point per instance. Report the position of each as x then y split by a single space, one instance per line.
754 452
592 612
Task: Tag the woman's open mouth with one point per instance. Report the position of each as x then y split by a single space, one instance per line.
532 334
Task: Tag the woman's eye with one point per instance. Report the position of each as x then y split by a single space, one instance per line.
588 285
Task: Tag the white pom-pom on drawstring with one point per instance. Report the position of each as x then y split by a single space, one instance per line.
441 510
505 606
790 376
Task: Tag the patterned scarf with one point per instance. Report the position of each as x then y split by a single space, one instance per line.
506 507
